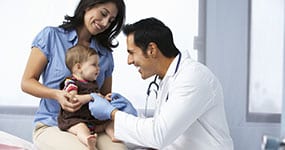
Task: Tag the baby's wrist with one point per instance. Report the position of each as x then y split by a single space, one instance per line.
113 114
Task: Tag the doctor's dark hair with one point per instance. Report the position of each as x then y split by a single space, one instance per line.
152 30
105 38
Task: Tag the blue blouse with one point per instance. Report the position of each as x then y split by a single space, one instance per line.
54 42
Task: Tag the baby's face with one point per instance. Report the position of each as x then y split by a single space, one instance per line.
90 69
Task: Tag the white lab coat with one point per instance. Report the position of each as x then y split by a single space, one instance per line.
192 118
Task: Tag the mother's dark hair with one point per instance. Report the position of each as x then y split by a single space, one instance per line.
105 38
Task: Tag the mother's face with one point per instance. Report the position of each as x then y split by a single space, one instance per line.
99 18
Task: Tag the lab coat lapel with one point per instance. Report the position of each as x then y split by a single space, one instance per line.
163 92
166 83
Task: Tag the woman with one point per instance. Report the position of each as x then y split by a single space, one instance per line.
95 24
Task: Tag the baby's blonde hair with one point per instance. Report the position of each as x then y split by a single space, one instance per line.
78 54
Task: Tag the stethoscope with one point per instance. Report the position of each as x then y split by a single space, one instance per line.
154 87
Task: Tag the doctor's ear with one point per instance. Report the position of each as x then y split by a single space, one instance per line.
152 49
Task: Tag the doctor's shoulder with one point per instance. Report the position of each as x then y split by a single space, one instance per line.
194 72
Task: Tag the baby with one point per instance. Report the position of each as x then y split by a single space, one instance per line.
83 64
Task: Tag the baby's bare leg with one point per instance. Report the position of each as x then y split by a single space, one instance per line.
110 131
91 142
83 133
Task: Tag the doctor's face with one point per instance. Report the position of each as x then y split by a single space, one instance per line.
140 60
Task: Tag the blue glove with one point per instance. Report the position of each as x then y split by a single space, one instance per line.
123 104
100 108
119 105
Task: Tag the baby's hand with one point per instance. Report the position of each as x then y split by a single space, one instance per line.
108 97
83 98
73 99
66 101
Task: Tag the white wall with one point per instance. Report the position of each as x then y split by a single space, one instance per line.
227 49
180 17
23 19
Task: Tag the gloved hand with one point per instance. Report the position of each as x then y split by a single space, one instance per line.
119 105
123 104
100 108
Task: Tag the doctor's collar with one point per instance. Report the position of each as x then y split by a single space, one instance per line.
174 66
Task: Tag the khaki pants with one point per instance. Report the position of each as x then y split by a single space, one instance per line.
52 138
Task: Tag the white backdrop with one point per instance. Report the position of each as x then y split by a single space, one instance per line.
23 19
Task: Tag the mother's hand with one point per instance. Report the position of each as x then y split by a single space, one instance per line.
68 101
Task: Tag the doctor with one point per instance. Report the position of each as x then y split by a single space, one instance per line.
190 106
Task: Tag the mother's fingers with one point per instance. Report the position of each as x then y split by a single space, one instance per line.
71 106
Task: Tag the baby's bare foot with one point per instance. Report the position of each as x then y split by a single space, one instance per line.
91 142
116 140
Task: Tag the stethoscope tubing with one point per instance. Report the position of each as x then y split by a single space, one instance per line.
157 86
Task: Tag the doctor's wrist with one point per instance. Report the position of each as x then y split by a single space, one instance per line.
113 113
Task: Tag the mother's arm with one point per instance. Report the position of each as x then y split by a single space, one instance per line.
107 86
30 84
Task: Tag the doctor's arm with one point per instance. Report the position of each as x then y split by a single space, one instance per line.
188 100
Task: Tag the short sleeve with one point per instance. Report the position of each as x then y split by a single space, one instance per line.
42 41
69 85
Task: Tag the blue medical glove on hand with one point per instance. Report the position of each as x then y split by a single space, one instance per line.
123 104
118 104
100 108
